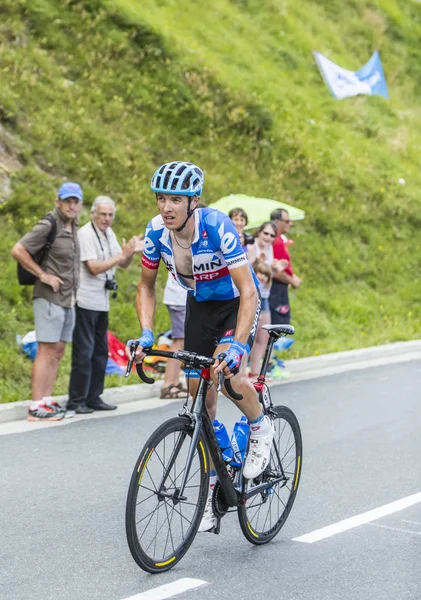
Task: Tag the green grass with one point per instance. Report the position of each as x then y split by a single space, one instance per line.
102 92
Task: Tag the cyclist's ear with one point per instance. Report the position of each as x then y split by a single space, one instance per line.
194 202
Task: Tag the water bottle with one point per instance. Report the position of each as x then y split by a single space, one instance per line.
283 344
239 439
222 436
19 340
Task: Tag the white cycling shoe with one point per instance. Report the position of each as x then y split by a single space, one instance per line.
209 521
258 455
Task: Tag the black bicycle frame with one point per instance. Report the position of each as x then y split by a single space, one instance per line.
232 496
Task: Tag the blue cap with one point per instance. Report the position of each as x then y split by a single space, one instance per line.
70 190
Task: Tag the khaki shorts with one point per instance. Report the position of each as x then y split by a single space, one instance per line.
53 323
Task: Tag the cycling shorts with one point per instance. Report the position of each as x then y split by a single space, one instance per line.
210 322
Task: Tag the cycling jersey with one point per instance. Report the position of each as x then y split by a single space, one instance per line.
216 249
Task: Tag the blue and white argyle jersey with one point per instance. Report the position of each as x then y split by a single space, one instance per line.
216 250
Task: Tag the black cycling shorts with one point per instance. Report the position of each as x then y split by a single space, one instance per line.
210 321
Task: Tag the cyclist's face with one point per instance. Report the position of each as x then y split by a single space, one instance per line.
173 209
103 216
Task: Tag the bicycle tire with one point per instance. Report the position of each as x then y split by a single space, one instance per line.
257 528
149 500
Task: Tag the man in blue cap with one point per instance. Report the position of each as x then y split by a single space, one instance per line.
54 294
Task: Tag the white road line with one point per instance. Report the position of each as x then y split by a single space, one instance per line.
169 589
371 515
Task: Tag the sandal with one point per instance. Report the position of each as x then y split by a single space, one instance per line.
172 392
182 388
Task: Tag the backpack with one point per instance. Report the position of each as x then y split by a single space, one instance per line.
24 276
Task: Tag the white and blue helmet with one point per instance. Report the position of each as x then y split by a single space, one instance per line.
181 178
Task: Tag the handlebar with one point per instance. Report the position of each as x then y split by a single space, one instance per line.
190 359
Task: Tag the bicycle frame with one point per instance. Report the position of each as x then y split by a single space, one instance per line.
201 419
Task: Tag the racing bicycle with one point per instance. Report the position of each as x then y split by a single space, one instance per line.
170 483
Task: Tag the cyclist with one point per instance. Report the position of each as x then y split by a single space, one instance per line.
201 248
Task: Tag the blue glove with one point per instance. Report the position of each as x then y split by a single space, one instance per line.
234 356
146 340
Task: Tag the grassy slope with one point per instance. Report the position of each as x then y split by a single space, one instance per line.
102 92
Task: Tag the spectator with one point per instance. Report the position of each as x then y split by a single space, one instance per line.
262 253
240 219
53 297
279 297
175 298
100 254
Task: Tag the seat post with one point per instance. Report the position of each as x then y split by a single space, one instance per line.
268 353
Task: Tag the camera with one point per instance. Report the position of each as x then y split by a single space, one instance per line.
248 239
111 284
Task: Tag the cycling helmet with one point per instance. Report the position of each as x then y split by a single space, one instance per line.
181 178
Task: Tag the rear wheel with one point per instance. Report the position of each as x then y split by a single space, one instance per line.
263 515
161 524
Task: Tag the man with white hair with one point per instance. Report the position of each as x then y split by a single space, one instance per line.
100 254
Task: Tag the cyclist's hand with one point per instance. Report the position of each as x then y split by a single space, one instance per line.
146 340
232 361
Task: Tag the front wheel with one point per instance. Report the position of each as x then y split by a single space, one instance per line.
263 515
160 523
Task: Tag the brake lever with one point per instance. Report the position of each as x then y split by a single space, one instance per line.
221 377
227 382
133 347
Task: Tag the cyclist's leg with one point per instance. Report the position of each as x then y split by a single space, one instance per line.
201 336
261 429
211 396
250 404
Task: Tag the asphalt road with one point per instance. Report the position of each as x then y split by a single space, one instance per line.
63 491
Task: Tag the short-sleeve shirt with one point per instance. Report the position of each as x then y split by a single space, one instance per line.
92 294
280 252
174 294
62 261
216 250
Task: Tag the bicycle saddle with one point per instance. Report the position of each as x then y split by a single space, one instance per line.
278 330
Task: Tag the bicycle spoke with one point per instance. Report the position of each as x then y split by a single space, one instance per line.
147 498
146 526
156 531
169 536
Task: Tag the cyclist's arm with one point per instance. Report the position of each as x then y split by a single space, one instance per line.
244 282
146 298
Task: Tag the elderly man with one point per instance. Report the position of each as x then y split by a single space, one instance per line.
100 254
54 295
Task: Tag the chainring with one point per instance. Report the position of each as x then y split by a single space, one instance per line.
219 504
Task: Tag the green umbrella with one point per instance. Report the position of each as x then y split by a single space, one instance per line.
258 209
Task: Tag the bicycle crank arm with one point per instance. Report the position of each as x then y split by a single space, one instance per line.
264 486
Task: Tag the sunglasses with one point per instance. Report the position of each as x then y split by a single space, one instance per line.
272 235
